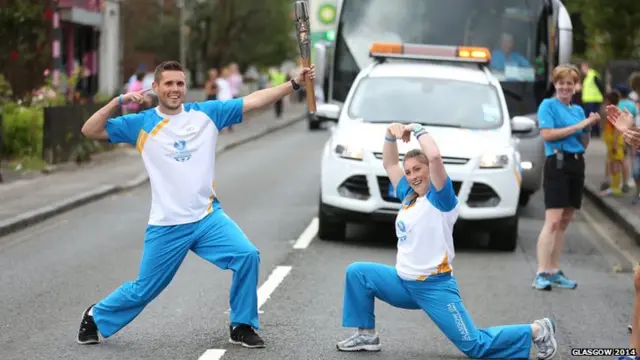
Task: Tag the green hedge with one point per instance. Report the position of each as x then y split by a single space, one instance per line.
22 129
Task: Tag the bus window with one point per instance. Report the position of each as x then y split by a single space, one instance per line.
509 64
437 22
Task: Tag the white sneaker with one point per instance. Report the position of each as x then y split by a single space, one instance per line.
360 341
546 343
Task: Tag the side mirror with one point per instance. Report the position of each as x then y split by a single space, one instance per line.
329 112
522 124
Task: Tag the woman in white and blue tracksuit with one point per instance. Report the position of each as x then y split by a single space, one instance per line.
422 278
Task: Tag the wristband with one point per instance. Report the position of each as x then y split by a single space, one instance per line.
120 100
423 132
418 129
389 138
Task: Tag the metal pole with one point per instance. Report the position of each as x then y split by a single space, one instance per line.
57 40
183 32
1 133
161 6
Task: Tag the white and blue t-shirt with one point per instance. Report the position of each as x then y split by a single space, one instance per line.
178 152
425 231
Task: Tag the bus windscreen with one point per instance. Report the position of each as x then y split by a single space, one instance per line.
509 28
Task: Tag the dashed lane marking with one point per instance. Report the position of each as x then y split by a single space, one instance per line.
307 235
264 293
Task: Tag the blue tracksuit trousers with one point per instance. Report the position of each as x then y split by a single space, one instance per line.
215 238
438 296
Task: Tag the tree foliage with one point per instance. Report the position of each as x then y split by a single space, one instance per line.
611 26
243 31
154 30
25 44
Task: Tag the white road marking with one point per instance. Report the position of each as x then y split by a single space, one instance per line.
307 235
273 281
212 354
593 223
264 293
36 230
17 184
268 287
277 275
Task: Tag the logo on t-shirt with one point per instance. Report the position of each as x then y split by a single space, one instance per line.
182 154
401 230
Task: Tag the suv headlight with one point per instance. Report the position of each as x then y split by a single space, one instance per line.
349 152
494 161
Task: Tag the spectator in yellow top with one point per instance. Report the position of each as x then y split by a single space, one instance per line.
615 150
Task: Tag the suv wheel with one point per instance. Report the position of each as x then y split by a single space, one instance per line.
330 228
505 237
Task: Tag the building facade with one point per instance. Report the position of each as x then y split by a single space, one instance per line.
90 37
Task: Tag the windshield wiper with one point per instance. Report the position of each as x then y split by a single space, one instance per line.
403 122
441 125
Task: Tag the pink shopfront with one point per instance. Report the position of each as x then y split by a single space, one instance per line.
81 22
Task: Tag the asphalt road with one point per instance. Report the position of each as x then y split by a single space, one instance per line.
51 272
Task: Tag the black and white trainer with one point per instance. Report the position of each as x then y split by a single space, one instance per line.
88 333
246 336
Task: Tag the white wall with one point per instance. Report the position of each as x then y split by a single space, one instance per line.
110 79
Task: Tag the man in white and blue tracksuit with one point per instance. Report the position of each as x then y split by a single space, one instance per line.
177 143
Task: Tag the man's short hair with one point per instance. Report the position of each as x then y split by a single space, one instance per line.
170 65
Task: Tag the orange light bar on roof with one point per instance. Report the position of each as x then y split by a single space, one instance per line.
386 48
470 52
430 52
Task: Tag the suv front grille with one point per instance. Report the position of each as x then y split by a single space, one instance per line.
482 195
355 185
383 184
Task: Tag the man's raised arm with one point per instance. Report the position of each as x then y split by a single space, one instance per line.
268 96
94 127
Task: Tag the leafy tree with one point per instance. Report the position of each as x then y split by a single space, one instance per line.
142 20
243 31
25 44
612 26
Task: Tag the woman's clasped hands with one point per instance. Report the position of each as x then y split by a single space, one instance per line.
401 131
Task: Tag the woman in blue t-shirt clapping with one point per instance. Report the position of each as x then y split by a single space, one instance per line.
563 127
422 278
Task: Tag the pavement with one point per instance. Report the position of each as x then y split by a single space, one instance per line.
619 208
50 272
28 201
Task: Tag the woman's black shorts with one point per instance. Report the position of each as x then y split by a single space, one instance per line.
563 187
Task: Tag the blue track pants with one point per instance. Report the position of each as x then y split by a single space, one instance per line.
438 296
215 238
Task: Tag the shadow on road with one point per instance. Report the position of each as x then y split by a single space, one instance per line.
382 236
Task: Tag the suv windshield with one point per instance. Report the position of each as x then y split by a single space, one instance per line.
434 102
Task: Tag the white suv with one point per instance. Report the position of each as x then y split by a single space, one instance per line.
461 105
